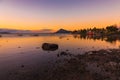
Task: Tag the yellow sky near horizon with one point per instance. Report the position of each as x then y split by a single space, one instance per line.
70 25
35 17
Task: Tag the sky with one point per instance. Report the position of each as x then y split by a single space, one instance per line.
55 14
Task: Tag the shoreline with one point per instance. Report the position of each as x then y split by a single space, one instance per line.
93 65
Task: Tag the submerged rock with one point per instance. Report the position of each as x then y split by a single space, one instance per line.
36 35
49 47
22 66
63 53
20 34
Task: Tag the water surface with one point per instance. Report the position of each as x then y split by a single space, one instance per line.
26 50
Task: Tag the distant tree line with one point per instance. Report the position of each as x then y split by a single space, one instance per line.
109 30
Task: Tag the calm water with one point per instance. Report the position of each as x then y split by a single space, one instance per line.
18 50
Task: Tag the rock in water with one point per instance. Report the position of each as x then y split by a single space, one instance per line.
49 47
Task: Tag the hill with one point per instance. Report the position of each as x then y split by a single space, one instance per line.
10 31
63 31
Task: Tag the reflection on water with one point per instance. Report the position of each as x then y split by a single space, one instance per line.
109 39
13 45
26 49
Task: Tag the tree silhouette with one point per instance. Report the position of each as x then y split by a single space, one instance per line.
112 28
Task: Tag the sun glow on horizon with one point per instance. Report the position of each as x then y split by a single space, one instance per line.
70 15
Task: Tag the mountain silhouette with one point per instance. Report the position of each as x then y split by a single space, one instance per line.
9 31
63 31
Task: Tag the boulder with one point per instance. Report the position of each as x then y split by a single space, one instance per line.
49 47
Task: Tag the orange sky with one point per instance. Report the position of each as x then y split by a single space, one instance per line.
71 25
88 14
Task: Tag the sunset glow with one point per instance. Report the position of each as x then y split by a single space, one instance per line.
52 14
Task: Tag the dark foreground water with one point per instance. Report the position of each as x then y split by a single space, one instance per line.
17 52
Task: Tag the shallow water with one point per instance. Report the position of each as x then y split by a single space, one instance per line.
26 50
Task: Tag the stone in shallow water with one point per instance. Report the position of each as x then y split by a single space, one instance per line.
49 47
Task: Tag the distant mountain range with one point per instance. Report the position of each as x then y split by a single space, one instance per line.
63 31
10 31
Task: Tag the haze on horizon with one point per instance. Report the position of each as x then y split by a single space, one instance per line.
55 14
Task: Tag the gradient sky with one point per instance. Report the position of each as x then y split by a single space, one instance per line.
55 14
